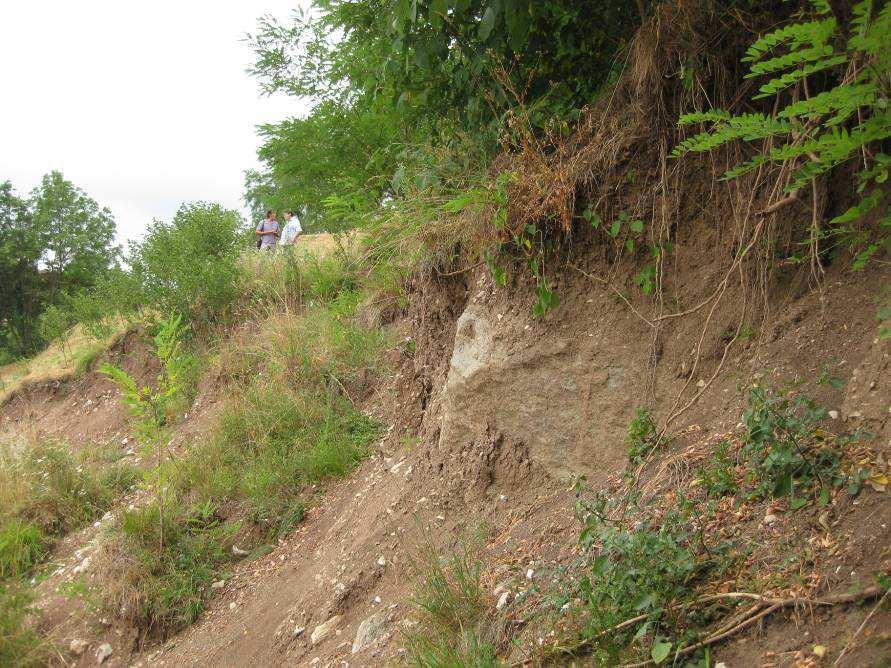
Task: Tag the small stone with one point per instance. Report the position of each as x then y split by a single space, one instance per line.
833 415
369 631
502 497
105 650
721 664
299 631
770 519
381 561
530 574
325 629
238 552
503 601
233 605
82 566
219 584
78 646
377 600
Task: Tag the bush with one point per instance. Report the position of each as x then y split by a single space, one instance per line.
787 453
630 571
190 265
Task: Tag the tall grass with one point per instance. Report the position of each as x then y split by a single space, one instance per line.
46 491
291 422
20 645
457 622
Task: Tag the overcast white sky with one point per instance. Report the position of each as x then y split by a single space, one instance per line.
142 105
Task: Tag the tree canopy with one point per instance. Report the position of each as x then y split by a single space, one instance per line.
388 77
55 242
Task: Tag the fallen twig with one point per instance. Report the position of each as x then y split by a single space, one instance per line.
860 628
764 606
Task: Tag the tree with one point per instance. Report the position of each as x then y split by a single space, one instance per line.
397 82
76 234
189 266
20 281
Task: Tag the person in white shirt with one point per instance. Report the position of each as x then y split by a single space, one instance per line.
292 229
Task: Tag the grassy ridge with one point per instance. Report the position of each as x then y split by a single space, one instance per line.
290 424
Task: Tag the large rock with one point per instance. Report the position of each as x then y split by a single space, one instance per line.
557 396
324 630
369 631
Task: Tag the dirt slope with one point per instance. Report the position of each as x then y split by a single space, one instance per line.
498 411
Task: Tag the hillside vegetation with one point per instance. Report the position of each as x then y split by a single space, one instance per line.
592 368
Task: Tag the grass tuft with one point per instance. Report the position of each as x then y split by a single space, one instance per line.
457 624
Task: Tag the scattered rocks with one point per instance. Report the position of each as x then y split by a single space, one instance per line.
369 631
105 650
78 646
324 630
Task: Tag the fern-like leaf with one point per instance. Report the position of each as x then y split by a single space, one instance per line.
792 59
813 33
778 84
841 99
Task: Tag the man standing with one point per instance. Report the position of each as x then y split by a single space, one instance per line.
268 231
292 229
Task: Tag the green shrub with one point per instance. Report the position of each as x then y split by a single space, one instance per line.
20 645
632 571
786 451
190 265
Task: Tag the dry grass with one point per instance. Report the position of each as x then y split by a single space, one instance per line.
59 362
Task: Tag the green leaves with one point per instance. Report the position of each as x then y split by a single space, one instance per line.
841 114
487 23
660 650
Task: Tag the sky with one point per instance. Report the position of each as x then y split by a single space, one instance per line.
142 105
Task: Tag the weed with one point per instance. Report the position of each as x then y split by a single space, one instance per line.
787 452
641 436
633 571
719 479
456 625
165 589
